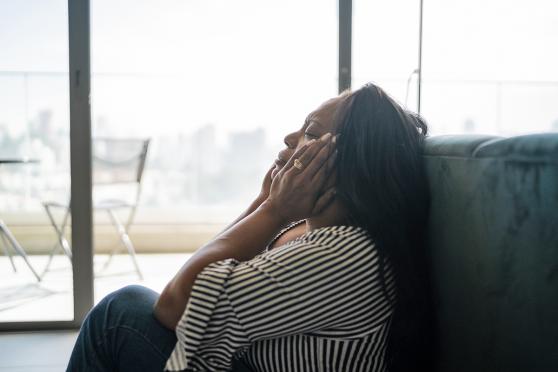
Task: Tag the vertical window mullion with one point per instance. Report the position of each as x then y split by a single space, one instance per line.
80 156
345 48
419 77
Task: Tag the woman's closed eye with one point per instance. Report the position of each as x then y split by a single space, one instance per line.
309 135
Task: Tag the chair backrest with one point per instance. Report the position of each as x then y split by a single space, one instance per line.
493 239
119 160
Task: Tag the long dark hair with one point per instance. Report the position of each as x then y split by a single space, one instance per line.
381 181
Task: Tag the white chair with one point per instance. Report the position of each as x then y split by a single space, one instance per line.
8 241
116 162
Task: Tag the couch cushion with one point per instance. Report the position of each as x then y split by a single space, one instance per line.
456 145
493 239
532 147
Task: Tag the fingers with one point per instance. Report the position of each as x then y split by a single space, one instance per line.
320 163
298 153
324 173
308 158
331 162
269 171
313 162
324 201
306 172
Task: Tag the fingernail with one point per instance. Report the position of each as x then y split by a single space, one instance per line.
326 136
334 139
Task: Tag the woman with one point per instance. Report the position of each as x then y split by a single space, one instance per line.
326 270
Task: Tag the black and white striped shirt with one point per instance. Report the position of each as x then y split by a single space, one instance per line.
313 304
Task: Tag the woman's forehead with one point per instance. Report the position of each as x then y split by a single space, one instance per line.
324 114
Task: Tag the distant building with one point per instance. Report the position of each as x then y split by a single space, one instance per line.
469 126
246 151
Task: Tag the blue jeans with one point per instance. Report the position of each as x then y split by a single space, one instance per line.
121 334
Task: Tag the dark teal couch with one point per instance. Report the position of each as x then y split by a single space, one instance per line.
493 242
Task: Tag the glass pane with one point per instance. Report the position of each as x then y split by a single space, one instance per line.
385 47
34 160
489 66
215 85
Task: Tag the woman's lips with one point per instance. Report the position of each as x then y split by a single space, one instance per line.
282 157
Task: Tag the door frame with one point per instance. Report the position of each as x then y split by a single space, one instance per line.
80 172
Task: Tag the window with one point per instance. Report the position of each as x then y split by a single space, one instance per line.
34 124
386 47
490 66
216 85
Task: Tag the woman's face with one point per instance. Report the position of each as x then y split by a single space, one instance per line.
318 123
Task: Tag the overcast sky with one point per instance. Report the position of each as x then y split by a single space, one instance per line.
246 63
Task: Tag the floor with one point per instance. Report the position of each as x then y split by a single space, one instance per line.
50 351
23 299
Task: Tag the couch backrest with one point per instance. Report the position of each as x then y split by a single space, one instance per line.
493 240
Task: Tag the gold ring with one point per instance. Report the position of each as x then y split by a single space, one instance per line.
298 164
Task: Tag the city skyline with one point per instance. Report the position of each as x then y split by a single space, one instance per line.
181 69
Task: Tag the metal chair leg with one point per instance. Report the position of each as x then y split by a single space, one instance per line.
125 240
60 231
127 230
7 251
111 254
50 256
62 242
8 234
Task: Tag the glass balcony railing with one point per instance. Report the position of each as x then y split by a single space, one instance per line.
201 171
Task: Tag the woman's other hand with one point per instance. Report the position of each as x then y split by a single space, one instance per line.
298 190
266 185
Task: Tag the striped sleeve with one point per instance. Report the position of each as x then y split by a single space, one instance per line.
314 284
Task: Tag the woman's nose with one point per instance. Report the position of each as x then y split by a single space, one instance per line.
291 140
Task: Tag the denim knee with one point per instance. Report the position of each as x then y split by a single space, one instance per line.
122 305
130 294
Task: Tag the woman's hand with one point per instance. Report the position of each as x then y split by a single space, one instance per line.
266 185
297 191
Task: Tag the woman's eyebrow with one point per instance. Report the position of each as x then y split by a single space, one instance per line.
314 121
